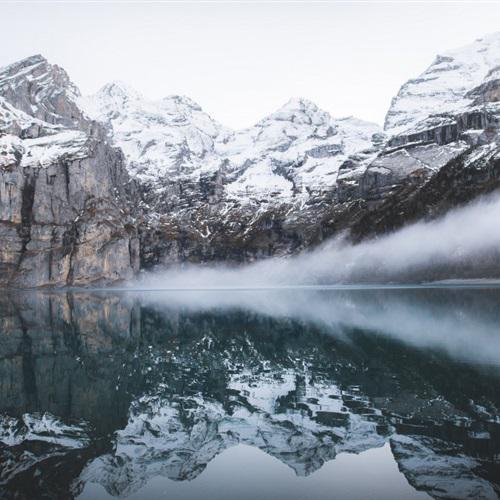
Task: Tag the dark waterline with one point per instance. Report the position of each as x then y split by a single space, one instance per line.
288 393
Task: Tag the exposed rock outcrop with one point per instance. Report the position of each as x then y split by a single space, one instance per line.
64 191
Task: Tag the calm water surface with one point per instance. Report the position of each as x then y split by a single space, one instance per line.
285 394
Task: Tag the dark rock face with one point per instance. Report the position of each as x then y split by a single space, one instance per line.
453 185
65 195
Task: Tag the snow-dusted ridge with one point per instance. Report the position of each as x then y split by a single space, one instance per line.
294 150
40 121
445 86
200 192
297 148
165 138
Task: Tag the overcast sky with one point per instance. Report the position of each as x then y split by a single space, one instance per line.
242 60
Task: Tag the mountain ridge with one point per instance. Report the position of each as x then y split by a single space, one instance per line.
196 191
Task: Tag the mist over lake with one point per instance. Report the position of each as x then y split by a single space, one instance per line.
290 393
249 250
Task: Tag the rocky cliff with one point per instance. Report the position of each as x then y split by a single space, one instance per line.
93 188
64 191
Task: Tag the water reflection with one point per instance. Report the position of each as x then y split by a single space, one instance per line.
106 392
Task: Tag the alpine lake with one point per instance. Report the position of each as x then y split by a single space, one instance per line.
309 393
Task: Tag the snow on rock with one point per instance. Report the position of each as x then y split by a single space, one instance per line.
42 427
47 150
41 90
439 468
38 115
168 138
295 149
11 150
444 87
42 151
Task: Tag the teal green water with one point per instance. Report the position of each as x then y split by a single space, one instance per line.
300 393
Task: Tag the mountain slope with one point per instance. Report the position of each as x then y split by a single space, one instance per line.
296 149
446 87
192 190
64 192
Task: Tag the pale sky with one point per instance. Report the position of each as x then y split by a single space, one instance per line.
242 60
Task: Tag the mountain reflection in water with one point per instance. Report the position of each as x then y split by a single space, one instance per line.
108 394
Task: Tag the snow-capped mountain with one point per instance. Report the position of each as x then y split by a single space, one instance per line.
295 150
42 90
171 138
446 87
194 190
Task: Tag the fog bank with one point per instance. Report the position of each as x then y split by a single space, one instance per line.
464 237
463 322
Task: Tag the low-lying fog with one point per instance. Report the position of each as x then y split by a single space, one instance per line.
464 236
461 322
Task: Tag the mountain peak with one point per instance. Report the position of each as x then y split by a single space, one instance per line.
119 89
12 68
300 111
41 90
443 87
182 100
299 104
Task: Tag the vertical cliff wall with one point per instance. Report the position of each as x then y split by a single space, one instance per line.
65 195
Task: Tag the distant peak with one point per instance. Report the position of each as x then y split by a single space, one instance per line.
445 86
299 104
182 100
120 89
35 59
354 120
299 110
24 63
